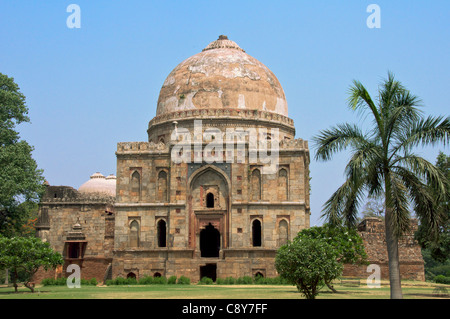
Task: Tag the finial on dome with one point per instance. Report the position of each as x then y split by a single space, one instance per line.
223 43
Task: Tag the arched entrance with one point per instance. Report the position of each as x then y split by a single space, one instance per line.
208 205
209 241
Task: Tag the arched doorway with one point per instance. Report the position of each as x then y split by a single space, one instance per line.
209 241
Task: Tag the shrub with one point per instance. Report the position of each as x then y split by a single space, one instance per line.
184 281
246 280
206 281
308 263
147 280
122 281
172 280
441 279
229 281
160 280
54 282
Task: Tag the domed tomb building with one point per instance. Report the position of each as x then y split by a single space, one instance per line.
221 183
218 187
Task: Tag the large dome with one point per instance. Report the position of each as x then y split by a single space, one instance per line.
222 76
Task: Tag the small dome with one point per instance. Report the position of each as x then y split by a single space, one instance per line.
98 183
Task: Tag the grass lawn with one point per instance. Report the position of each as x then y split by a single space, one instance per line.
411 290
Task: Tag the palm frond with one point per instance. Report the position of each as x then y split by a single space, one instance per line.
426 171
337 139
342 207
428 131
360 100
424 204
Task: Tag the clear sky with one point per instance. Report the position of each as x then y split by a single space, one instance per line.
88 88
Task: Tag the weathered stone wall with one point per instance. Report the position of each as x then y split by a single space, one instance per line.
372 231
63 207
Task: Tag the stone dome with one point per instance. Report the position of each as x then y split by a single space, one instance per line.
222 76
99 184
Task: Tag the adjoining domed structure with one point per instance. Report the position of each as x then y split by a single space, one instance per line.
98 184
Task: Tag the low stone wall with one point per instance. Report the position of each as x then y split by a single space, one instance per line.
91 267
372 231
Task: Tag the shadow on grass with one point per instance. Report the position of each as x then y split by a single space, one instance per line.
12 292
432 295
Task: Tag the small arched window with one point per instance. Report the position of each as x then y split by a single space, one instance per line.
210 200
256 233
161 233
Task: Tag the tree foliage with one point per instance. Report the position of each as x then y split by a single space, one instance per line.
383 163
308 264
439 246
27 254
345 241
20 179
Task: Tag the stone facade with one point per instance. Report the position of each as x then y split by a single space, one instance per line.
80 227
244 203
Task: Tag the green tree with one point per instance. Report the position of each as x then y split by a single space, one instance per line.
308 263
382 163
20 179
27 254
346 242
439 246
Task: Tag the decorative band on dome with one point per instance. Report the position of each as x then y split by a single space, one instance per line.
223 43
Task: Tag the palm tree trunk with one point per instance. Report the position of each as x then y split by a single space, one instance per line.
393 259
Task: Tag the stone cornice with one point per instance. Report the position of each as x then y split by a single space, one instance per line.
223 114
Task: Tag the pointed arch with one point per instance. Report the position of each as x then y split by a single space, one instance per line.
283 232
161 233
136 184
162 193
134 234
256 233
283 187
209 179
255 184
210 200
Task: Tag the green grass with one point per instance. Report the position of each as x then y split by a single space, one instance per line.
411 290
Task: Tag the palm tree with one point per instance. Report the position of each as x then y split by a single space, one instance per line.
383 164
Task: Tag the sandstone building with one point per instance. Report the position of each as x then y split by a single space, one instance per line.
223 210
218 187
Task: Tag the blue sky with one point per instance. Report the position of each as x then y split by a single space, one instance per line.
92 87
